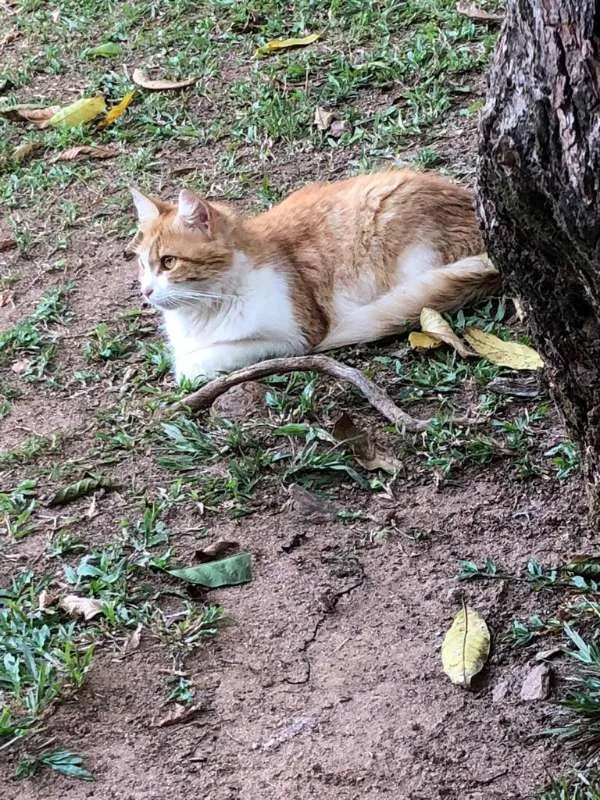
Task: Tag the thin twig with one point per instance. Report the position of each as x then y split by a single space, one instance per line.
205 397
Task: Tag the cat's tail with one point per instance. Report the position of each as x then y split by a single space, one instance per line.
446 288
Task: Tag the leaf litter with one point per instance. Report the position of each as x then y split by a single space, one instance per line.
140 78
466 647
363 448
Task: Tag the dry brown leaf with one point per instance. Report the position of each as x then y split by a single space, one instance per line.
6 298
20 366
82 150
23 151
86 607
323 118
337 128
363 449
45 600
7 243
422 341
479 14
133 642
178 713
140 78
216 550
37 116
310 506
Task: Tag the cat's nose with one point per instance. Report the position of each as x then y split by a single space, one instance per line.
147 291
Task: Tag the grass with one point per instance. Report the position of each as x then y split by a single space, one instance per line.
404 79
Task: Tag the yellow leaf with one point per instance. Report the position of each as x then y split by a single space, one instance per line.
423 341
139 77
505 354
466 646
78 112
24 151
433 324
284 44
117 111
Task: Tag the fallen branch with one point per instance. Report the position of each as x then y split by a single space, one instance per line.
205 397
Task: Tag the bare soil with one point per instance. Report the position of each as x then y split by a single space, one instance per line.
327 680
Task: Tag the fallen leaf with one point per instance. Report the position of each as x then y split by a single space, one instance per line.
423 341
216 549
81 150
34 114
83 110
536 685
226 572
20 366
284 44
478 14
7 243
139 77
178 713
337 128
107 50
323 118
466 646
23 151
72 492
133 642
86 607
6 298
55 15
289 731
45 600
433 324
310 506
504 354
363 449
117 111
515 387
546 655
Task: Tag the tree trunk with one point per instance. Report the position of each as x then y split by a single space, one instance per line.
539 196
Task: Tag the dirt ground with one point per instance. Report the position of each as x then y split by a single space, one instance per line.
326 680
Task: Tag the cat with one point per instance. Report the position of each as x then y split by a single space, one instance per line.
333 264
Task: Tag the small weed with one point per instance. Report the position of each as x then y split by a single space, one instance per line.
33 339
29 450
106 345
16 509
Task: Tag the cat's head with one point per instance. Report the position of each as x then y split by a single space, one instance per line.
185 250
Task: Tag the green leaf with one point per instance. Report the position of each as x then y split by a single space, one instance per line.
78 112
72 492
226 572
67 763
107 50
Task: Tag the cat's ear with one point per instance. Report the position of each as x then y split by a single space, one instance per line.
193 211
147 210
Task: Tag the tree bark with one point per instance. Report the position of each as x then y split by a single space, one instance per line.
539 196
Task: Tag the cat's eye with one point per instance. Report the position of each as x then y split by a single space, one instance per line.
167 262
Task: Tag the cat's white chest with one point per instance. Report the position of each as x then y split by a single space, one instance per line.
258 322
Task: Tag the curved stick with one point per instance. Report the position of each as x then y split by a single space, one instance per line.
204 397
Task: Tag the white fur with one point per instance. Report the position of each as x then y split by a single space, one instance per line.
250 316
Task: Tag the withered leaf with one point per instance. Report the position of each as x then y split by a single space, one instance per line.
362 448
24 151
466 646
284 44
86 607
34 114
479 14
6 298
7 243
140 78
323 118
506 354
178 713
215 550
83 110
83 150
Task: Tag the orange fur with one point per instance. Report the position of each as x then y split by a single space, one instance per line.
359 257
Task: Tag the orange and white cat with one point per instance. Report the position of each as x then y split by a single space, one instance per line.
333 264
